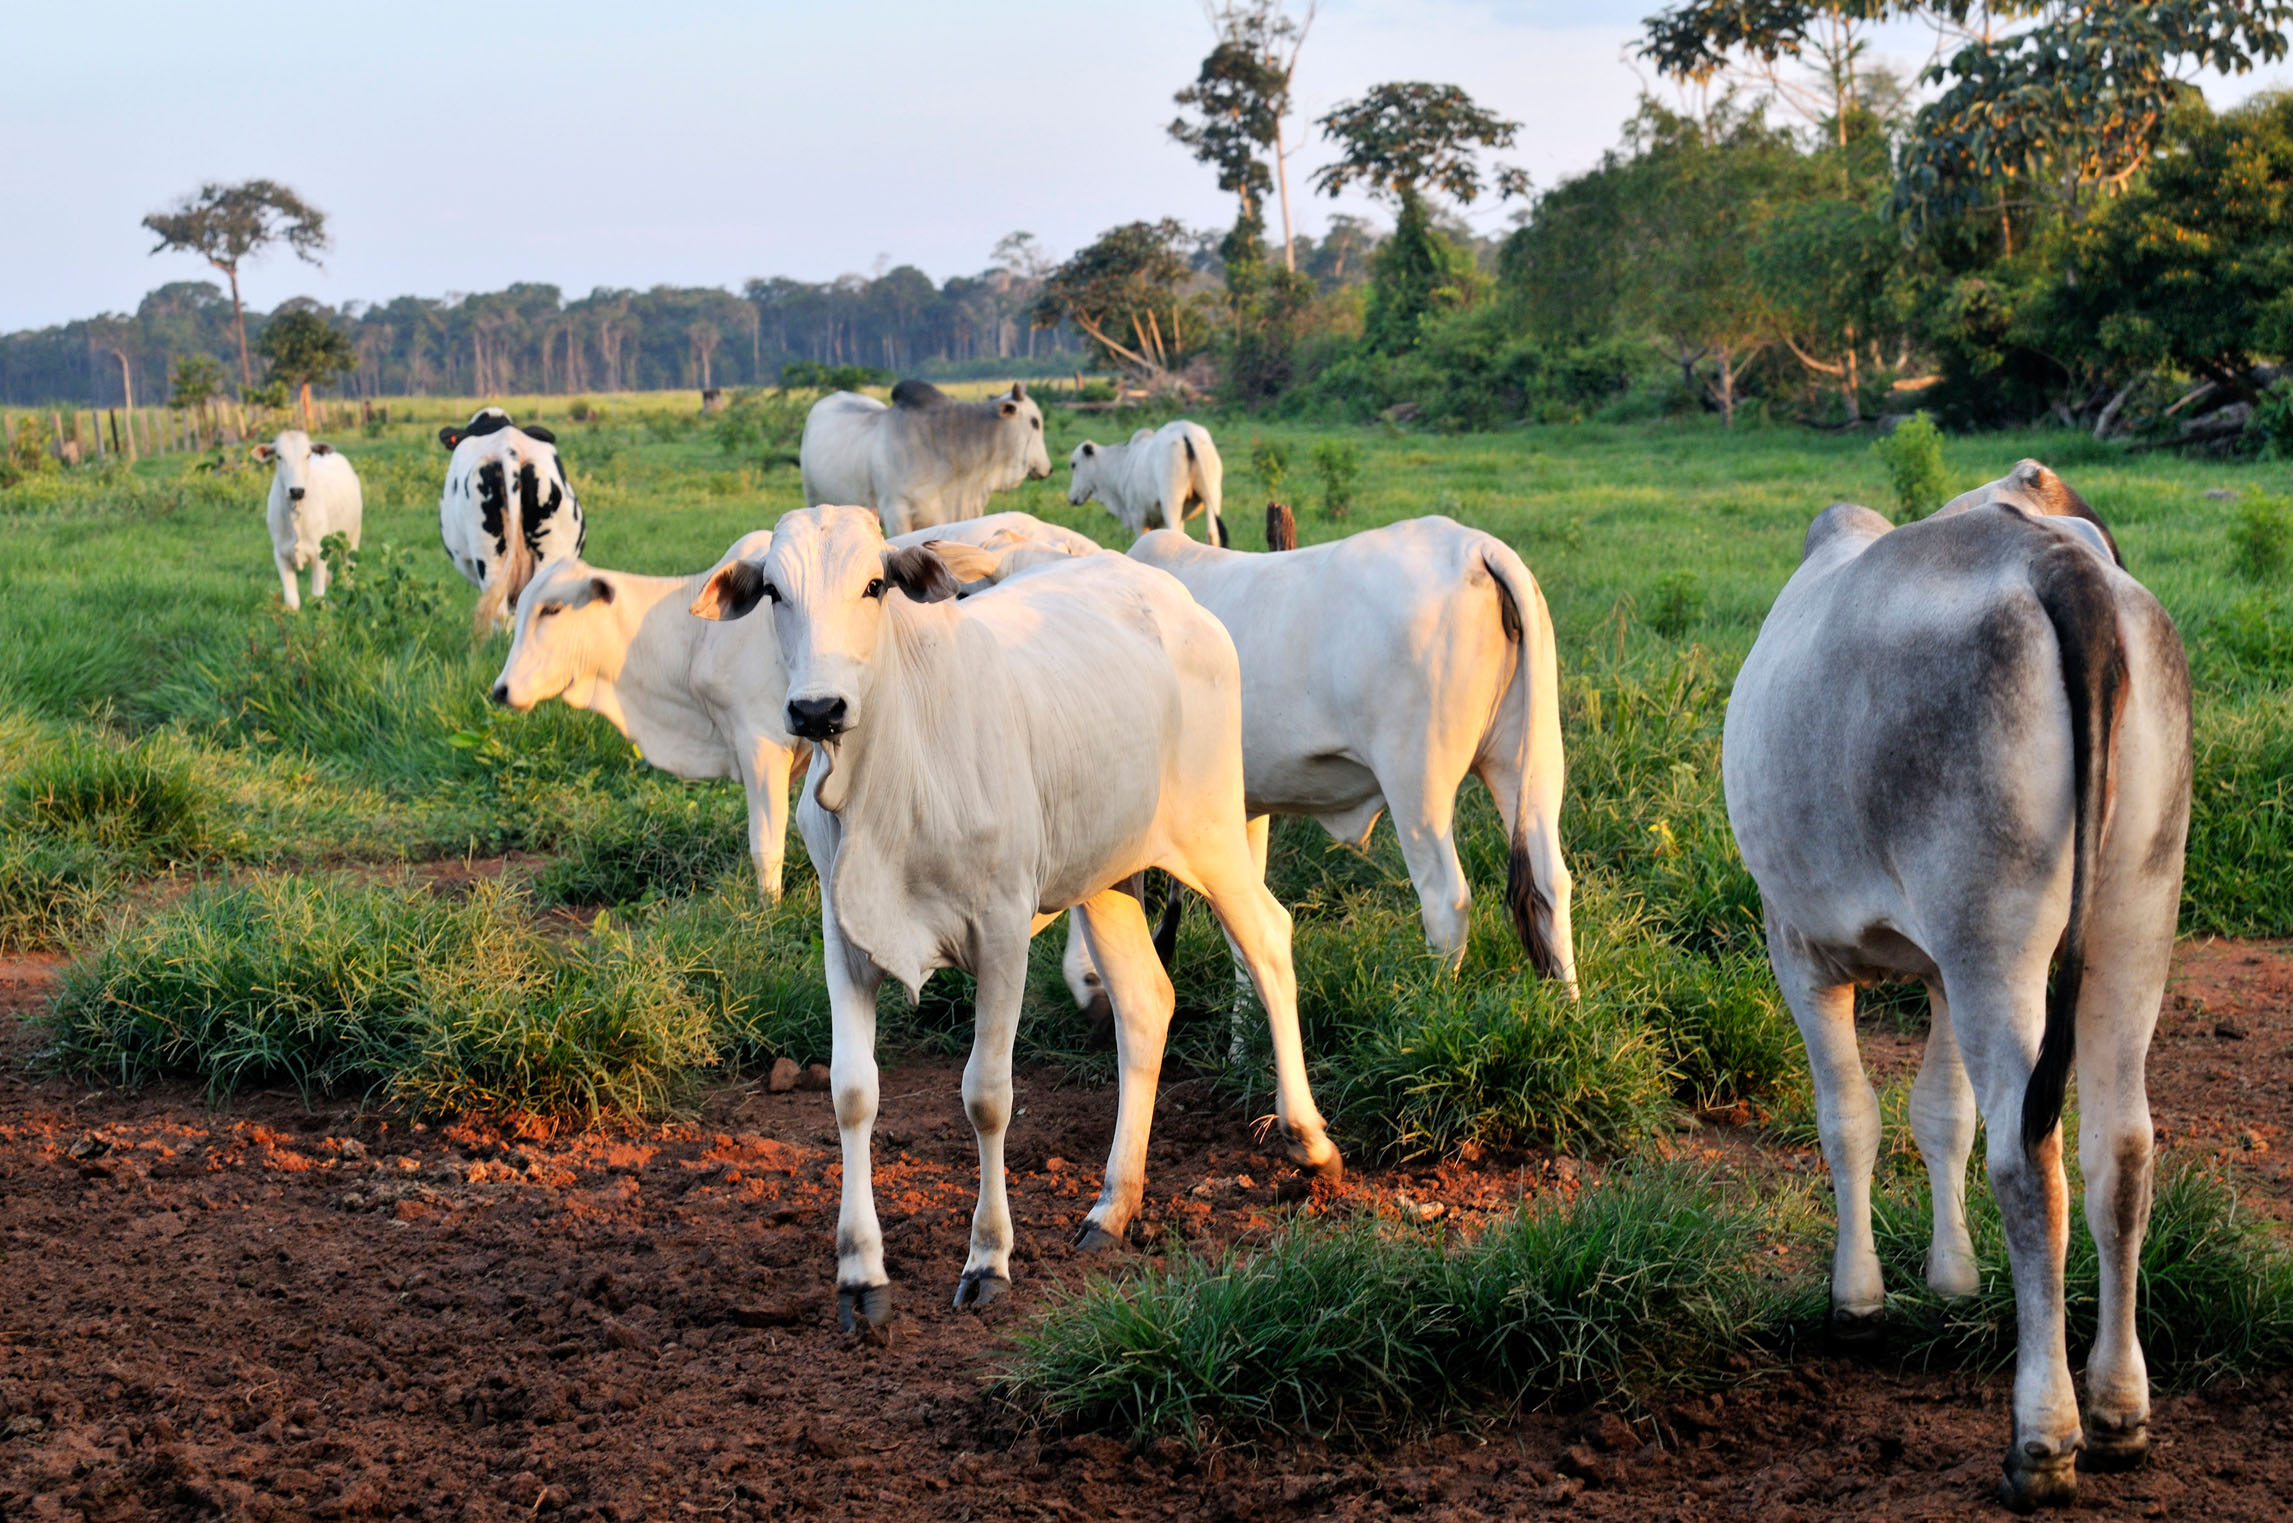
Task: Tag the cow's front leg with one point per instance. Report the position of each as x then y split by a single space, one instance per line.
1002 980
1140 992
863 1290
318 576
288 587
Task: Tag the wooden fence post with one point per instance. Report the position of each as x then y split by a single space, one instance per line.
1281 527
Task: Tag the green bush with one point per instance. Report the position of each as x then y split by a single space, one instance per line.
663 840
1270 463
1678 604
335 985
2261 535
1912 452
1338 463
1639 1286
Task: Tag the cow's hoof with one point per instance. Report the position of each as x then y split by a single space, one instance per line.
863 1306
2114 1444
1856 1329
1100 1012
1096 1239
2036 1479
978 1287
1315 1152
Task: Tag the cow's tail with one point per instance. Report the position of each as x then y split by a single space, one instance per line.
1209 484
515 568
2074 589
1534 890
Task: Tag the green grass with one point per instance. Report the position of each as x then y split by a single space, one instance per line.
160 712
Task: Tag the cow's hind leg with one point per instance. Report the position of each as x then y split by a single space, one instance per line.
1258 930
1423 799
2124 983
1846 1119
1943 1121
1997 1015
863 1290
1122 946
1002 977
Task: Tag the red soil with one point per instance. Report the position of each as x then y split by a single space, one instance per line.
268 1312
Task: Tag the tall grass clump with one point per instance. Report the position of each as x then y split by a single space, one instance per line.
2237 878
1912 452
753 969
339 986
1638 1286
50 889
135 799
2261 535
2216 1288
657 842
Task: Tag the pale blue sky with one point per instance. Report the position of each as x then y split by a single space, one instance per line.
701 143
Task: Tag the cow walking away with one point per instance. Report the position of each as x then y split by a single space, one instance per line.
1159 480
1378 672
507 509
980 766
926 459
314 493
1960 751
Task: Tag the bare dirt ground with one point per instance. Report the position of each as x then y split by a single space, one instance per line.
268 1312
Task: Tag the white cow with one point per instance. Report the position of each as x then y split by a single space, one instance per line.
1958 749
314 493
506 510
980 766
1377 672
698 699
924 460
1159 480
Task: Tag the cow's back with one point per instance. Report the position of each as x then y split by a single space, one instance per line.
837 452
1898 742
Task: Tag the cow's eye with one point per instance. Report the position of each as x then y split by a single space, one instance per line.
546 609
875 588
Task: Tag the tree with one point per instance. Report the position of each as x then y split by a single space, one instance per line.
226 225
1241 97
1399 141
1699 41
1122 292
304 350
1829 261
2192 268
2066 112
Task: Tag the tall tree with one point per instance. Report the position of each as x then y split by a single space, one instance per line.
1398 142
304 350
1699 41
1240 100
226 225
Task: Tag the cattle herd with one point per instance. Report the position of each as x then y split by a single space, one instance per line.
1959 751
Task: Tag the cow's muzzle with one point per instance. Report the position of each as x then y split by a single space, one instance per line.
501 694
816 718
295 494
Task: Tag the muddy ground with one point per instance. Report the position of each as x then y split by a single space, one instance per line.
271 1312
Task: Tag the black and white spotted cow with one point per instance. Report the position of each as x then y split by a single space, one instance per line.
1960 752
507 510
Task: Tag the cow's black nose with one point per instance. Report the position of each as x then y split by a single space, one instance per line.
501 693
816 718
294 494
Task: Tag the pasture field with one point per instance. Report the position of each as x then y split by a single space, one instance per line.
387 1131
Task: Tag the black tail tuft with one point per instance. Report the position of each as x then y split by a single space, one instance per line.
1166 929
1532 913
2075 592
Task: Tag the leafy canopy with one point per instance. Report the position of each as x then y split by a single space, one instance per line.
1117 290
226 224
304 349
1402 139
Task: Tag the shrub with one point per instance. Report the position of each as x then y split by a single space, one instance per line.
2273 420
1912 452
1635 1287
1338 463
661 841
2261 535
336 985
1270 463
1677 605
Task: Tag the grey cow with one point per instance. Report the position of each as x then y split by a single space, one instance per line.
926 459
1957 750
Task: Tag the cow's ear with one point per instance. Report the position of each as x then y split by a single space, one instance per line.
600 590
265 453
969 563
919 573
1018 391
536 431
732 593
1090 450
449 436
321 449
